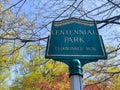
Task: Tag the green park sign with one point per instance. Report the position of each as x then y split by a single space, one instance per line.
75 39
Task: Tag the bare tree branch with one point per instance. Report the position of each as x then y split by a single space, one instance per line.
115 50
23 40
102 80
12 6
113 3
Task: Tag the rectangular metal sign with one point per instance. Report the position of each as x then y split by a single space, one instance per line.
75 39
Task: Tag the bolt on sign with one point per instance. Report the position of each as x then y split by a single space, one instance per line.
75 39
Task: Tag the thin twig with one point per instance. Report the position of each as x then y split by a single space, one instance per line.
12 6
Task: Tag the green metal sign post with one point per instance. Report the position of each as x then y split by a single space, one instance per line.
75 42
